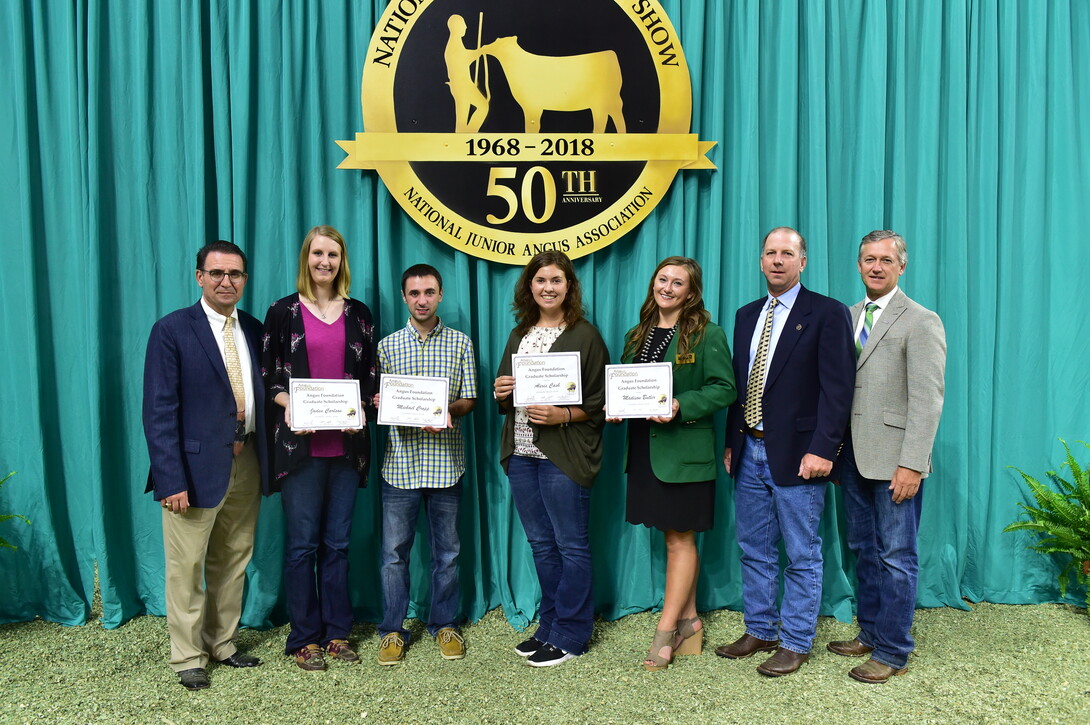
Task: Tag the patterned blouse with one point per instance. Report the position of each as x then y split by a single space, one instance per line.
536 341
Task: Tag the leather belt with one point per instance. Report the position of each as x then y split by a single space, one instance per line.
754 432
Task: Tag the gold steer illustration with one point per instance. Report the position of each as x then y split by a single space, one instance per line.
561 83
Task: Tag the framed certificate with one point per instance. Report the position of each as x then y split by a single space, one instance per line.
549 379
318 404
639 391
416 401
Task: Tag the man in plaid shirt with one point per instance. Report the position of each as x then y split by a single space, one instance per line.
424 465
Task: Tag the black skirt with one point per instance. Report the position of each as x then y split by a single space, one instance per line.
651 502
655 503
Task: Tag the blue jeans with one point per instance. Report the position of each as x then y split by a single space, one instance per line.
882 535
555 512
767 514
400 508
318 499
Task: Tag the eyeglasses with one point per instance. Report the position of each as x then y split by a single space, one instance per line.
217 275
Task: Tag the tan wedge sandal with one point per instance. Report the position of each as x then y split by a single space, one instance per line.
691 632
664 640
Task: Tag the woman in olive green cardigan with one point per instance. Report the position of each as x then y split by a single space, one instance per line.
552 454
672 459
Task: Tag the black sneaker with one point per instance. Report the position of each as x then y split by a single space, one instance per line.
528 647
548 656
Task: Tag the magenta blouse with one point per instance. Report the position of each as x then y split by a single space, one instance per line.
325 353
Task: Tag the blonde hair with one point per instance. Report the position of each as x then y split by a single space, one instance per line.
341 283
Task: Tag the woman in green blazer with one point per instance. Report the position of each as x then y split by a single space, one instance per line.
672 459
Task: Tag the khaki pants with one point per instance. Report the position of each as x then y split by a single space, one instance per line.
207 550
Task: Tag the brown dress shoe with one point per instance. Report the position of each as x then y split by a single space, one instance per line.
744 646
783 662
874 672
849 648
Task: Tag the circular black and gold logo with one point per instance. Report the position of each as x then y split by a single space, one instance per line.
509 128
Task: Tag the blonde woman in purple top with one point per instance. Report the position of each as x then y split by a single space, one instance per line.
319 332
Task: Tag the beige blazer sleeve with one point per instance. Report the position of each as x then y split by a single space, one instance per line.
899 388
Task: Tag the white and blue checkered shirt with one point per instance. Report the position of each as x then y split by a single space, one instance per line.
415 459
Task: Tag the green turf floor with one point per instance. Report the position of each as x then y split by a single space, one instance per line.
995 664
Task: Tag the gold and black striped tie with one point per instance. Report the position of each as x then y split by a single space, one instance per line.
756 385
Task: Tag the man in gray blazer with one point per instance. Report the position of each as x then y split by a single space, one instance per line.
901 350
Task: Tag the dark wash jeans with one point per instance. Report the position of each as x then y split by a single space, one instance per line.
882 535
555 512
400 509
318 500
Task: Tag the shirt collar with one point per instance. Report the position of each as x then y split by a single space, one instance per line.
787 299
216 319
883 301
439 327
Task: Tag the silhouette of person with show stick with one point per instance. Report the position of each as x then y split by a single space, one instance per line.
470 105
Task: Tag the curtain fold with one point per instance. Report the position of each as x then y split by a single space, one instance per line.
132 133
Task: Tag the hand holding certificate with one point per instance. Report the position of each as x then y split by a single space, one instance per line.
640 391
415 401
318 404
553 378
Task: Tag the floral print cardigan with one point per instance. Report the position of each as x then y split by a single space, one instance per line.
284 356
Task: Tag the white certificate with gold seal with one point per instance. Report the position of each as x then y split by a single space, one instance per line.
553 378
639 390
320 404
415 401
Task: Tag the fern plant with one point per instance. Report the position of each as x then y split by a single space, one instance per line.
1061 520
4 543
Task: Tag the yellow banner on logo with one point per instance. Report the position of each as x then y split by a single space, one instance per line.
371 149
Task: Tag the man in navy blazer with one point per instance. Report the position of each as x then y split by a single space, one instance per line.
204 410
793 348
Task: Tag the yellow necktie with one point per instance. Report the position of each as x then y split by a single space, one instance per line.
756 385
234 367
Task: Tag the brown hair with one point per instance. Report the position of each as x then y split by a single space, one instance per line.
341 283
526 310
690 322
421 270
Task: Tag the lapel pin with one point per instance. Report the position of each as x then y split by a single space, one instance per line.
798 327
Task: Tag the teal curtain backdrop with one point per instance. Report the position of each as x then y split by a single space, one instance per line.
133 132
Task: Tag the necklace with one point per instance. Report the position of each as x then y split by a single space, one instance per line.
321 312
647 354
